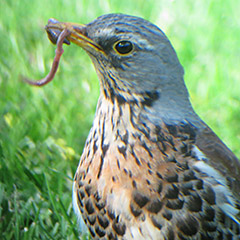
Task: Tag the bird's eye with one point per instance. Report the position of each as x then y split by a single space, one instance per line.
124 47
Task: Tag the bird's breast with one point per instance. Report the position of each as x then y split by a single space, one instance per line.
137 180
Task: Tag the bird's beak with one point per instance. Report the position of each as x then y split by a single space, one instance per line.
77 34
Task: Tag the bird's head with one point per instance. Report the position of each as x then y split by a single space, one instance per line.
133 58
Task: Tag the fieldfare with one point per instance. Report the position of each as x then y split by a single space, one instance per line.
150 168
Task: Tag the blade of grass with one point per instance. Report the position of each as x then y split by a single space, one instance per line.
51 198
64 212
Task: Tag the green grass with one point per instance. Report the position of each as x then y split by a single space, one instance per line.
42 131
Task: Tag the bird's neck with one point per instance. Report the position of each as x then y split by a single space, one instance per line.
154 108
168 105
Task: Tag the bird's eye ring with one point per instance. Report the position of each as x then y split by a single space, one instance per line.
123 47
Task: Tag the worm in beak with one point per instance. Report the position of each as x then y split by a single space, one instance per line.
56 37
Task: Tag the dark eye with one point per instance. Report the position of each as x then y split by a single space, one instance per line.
124 47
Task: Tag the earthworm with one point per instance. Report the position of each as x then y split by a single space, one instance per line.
58 53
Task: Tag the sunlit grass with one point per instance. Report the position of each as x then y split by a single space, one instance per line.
42 131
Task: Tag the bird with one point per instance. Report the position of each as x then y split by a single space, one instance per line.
151 168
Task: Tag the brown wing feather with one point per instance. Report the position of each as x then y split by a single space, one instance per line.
220 157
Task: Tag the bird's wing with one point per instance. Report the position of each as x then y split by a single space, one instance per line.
220 157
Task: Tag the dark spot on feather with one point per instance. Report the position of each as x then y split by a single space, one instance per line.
170 140
209 226
170 233
149 165
80 183
159 175
140 199
104 149
183 166
150 98
89 207
92 231
147 149
136 211
189 130
96 196
150 171
79 199
171 178
111 236
209 214
186 188
82 194
88 153
91 219
122 150
162 147
156 223
100 167
88 190
103 221
172 192
167 214
135 157
184 148
111 214
209 195
182 236
154 206
157 130
120 112
188 225
118 164
160 186
222 218
199 184
99 231
134 184
105 93
170 159
148 182
100 205
95 147
194 203
189 175
175 204
125 138
137 161
119 227
121 100
172 129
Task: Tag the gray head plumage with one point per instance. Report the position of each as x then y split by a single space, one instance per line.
151 68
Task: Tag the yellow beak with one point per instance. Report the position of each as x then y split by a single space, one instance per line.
77 34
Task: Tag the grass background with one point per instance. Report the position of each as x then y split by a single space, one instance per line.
42 131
